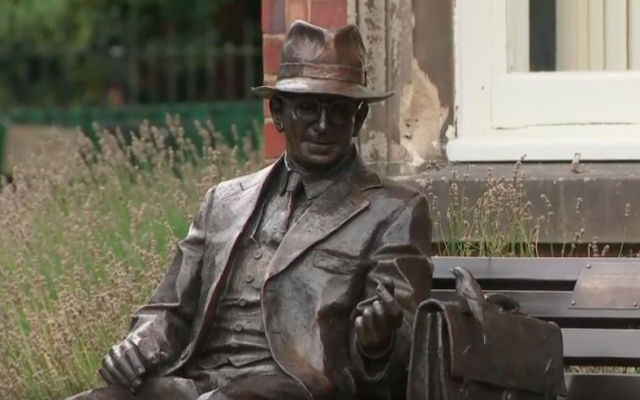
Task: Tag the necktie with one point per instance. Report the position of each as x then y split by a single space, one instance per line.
279 223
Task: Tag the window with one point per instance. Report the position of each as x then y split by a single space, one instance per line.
546 79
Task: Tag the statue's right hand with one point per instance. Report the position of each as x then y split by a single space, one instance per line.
123 366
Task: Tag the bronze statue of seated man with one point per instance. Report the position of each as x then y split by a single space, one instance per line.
299 281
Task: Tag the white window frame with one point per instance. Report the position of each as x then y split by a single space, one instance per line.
509 116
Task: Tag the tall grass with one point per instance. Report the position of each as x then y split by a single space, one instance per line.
82 246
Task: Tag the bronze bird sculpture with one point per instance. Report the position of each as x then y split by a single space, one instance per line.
470 297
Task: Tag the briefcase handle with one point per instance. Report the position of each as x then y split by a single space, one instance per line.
505 302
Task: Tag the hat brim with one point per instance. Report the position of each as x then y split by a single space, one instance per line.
322 86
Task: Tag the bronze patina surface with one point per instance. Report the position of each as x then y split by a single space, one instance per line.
299 281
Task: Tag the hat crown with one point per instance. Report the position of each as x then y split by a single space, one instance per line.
312 44
315 52
315 60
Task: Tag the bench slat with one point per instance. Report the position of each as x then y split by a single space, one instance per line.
603 344
548 305
582 386
530 269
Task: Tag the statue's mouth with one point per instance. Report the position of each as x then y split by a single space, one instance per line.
320 144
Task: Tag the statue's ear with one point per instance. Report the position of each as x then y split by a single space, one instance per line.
276 107
361 115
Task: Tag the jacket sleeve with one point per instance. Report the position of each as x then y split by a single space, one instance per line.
161 328
402 254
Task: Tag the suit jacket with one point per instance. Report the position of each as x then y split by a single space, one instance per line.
362 229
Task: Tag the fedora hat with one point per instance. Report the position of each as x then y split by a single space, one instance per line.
318 60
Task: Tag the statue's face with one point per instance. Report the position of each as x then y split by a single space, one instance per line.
318 129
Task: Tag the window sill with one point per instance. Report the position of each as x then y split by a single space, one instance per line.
549 143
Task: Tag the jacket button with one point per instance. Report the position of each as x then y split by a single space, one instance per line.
248 278
237 327
242 302
257 254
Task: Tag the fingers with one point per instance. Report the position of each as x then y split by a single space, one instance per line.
107 377
373 326
111 374
385 290
369 319
361 331
380 314
378 320
133 354
131 363
388 300
366 327
121 366
122 363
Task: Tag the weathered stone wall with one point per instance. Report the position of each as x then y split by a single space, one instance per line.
411 53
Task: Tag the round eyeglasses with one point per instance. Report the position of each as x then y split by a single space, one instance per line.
339 111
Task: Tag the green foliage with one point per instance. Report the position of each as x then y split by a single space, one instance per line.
82 24
63 52
22 19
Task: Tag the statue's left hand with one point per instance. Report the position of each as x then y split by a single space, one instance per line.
379 320
123 366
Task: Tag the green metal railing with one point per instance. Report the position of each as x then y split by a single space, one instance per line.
232 120
120 85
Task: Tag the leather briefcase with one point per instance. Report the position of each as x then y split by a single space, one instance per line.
521 360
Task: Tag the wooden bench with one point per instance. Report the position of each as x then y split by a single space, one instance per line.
586 297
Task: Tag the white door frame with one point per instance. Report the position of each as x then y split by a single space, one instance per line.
505 116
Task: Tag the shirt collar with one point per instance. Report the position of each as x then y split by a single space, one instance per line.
317 183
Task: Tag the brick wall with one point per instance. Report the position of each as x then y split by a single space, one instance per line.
277 15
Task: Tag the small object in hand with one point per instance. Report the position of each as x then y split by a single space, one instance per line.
379 320
471 297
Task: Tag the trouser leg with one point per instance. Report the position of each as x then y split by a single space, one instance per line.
272 386
105 393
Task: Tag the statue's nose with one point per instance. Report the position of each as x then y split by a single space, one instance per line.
322 125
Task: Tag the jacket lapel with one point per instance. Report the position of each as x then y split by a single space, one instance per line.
332 209
241 201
